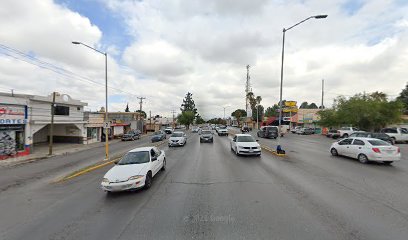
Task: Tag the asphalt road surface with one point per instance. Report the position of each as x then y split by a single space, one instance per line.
207 192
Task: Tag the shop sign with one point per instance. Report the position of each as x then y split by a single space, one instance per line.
290 103
11 114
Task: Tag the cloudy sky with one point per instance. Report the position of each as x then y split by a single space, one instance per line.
163 49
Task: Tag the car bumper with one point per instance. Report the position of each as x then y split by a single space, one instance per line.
249 152
206 139
222 134
172 144
123 186
384 158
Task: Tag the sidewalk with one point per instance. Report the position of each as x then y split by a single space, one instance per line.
41 151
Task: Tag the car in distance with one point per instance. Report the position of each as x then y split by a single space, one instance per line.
195 129
366 149
345 132
245 144
293 130
333 133
168 130
206 136
158 136
135 170
222 131
397 134
131 135
268 132
381 136
177 139
305 131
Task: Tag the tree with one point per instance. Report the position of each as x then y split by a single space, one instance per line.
188 104
142 113
312 106
272 111
186 118
199 119
127 108
238 114
403 97
260 113
368 112
304 105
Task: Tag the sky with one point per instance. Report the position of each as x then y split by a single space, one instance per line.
161 50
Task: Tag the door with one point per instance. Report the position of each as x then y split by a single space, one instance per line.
404 134
234 143
356 148
344 147
155 161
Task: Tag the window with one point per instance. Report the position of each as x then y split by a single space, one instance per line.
355 129
157 152
358 142
391 130
404 130
152 153
346 141
61 110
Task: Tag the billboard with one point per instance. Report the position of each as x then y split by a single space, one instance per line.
290 103
13 114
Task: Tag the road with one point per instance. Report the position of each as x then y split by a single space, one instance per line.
207 192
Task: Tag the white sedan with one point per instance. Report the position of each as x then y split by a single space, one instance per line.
366 149
177 139
245 144
135 170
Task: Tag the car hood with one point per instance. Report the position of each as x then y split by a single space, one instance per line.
176 138
248 144
124 172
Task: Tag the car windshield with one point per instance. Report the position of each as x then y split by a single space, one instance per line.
206 132
177 134
378 143
157 133
245 139
135 158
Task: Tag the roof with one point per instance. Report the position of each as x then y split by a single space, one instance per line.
239 135
141 149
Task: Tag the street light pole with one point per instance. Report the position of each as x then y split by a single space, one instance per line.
106 96
281 80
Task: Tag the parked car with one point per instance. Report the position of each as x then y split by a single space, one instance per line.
206 136
333 133
268 132
381 136
158 136
245 129
168 130
195 129
293 130
397 134
305 131
245 144
177 139
345 132
366 149
135 170
131 135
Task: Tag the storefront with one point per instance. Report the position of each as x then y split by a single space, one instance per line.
13 119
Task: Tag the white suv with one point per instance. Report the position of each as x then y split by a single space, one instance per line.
345 132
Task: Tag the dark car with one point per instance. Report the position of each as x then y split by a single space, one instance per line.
333 133
206 136
268 132
131 135
245 129
158 136
381 136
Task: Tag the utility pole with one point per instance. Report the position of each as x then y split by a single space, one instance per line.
174 112
52 124
247 88
141 102
322 93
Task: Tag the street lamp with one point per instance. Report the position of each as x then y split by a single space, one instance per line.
106 96
224 110
283 52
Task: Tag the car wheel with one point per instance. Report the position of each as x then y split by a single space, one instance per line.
345 135
362 158
148 180
334 152
387 162
164 165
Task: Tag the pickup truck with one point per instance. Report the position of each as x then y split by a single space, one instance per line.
345 132
396 134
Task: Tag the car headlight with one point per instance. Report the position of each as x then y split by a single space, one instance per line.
105 180
135 177
240 147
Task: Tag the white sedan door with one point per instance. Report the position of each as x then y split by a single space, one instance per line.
344 147
155 161
234 143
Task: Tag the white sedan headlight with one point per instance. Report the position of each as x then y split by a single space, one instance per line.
137 177
240 147
105 180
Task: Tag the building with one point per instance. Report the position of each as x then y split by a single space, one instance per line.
25 122
306 118
122 122
94 126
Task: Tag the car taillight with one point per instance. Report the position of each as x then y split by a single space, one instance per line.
398 150
377 150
